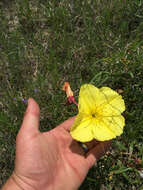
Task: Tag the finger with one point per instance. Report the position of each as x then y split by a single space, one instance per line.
30 122
91 144
97 152
67 124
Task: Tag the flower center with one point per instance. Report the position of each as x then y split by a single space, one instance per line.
93 115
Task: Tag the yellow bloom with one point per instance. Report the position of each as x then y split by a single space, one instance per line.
99 114
110 177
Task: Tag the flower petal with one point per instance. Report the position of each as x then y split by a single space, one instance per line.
67 89
85 129
101 131
115 124
90 98
81 129
114 103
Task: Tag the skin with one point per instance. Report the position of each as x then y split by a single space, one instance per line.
51 160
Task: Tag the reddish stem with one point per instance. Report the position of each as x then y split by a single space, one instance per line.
72 100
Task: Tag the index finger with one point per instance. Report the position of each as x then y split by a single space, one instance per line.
97 152
67 124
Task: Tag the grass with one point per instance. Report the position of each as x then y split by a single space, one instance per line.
43 44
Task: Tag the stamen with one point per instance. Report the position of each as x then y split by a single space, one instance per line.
94 115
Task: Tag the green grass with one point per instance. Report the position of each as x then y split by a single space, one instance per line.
44 43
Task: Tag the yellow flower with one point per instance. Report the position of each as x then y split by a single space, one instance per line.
99 114
110 177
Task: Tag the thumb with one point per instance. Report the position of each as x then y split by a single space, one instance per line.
31 119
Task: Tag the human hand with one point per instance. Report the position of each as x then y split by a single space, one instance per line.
51 160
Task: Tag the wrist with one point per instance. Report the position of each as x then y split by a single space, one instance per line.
16 183
11 185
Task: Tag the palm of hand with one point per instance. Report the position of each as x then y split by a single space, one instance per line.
51 158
